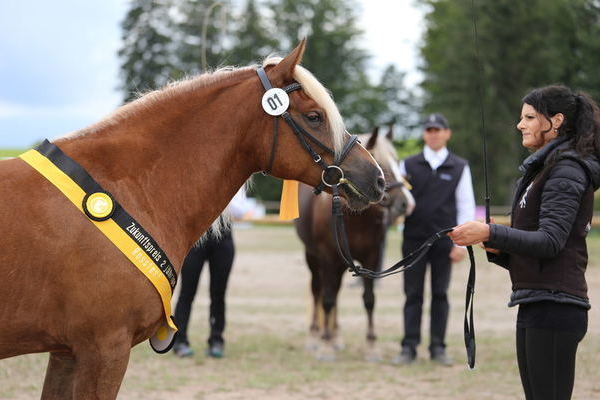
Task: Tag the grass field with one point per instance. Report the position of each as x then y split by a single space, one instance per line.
10 152
268 310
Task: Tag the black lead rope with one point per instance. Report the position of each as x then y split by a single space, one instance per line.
469 327
341 239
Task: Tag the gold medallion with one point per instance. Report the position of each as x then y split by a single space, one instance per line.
98 206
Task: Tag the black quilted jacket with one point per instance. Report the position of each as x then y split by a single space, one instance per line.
570 177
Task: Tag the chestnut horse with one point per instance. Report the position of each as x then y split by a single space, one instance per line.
366 237
173 158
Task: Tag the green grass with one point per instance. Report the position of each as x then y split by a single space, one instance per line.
10 152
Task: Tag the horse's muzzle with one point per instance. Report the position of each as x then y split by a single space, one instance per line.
362 189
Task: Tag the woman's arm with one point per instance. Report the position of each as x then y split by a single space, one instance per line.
499 258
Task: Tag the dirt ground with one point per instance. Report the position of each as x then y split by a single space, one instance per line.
267 335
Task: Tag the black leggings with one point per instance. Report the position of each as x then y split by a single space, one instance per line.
547 337
219 254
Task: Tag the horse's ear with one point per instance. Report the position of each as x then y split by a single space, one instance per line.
390 134
284 71
373 138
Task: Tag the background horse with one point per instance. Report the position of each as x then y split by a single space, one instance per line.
366 236
174 159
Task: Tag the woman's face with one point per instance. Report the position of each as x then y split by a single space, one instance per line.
536 129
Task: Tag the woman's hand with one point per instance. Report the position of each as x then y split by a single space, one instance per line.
470 233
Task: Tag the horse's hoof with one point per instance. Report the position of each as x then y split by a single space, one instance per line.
338 343
374 357
372 352
312 344
326 352
326 357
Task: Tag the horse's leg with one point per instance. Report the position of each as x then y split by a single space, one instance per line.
332 280
58 383
100 368
372 353
369 303
338 342
315 287
368 296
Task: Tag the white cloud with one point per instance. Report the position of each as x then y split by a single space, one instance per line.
393 30
89 110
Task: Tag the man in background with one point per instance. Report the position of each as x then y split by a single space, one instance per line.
443 192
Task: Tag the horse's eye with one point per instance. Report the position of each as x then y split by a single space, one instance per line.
313 117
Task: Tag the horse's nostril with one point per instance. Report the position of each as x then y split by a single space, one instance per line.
381 183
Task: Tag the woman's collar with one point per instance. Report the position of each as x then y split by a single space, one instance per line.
538 158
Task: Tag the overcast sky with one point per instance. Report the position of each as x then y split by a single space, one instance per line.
59 69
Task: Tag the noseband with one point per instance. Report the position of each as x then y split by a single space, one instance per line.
332 175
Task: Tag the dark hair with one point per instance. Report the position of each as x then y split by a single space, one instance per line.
582 116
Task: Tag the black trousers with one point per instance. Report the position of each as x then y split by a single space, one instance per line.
414 282
548 334
219 254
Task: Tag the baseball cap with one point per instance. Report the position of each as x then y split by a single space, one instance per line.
436 121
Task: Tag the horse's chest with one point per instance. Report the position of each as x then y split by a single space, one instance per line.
365 234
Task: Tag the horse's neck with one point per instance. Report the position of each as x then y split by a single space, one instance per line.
173 167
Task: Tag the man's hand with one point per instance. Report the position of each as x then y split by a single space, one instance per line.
457 254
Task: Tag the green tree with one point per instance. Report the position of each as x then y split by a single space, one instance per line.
165 40
204 28
333 54
252 41
521 45
147 42
587 17
401 103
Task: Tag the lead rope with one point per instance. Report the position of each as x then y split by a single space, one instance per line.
339 232
341 240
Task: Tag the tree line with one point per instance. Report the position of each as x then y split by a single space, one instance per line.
522 45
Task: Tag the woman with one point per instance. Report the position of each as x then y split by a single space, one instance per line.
545 249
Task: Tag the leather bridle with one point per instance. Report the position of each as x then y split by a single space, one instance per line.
333 174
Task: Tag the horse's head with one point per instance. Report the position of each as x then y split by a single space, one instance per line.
303 140
397 198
